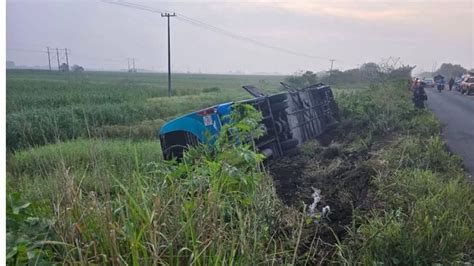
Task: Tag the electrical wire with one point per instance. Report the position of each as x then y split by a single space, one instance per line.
207 26
25 50
53 54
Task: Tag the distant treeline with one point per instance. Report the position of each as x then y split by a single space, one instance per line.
447 70
368 72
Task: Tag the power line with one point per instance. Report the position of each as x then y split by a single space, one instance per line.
100 58
69 53
243 38
25 50
59 56
218 30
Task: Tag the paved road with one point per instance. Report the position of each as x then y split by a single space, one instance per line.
456 112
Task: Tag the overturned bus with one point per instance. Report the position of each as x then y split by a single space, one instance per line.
289 119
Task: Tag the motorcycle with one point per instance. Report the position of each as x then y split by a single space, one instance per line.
439 81
440 87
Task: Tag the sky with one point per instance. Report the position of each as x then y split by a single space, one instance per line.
292 36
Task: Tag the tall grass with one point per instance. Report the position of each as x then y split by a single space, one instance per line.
215 207
427 205
82 154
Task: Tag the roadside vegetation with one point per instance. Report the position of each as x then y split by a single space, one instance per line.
421 201
387 168
397 195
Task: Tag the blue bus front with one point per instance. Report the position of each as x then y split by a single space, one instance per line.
198 127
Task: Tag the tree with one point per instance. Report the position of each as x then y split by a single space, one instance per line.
64 67
77 68
370 70
449 70
10 64
402 72
306 79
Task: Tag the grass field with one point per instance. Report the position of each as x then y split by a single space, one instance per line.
44 107
86 185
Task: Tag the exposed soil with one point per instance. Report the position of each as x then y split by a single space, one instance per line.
342 175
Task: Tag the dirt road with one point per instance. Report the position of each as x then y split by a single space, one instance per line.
456 112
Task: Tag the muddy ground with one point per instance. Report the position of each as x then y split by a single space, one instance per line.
341 172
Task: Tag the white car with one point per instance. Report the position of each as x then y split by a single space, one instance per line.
467 85
429 82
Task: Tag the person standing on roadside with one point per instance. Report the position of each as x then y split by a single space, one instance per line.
451 83
415 83
419 96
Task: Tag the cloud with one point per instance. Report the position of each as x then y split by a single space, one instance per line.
366 11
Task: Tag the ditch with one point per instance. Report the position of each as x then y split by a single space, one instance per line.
341 173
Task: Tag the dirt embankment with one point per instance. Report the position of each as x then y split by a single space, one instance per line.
340 170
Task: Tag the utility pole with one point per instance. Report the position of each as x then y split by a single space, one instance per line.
128 64
395 61
57 56
133 63
168 15
67 60
49 58
332 62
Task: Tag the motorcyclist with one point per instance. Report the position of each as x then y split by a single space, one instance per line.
440 84
419 96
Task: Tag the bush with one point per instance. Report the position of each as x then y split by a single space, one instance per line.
26 233
377 110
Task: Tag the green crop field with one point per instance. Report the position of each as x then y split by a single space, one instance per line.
100 122
47 107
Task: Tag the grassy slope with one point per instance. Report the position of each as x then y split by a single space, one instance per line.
423 202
